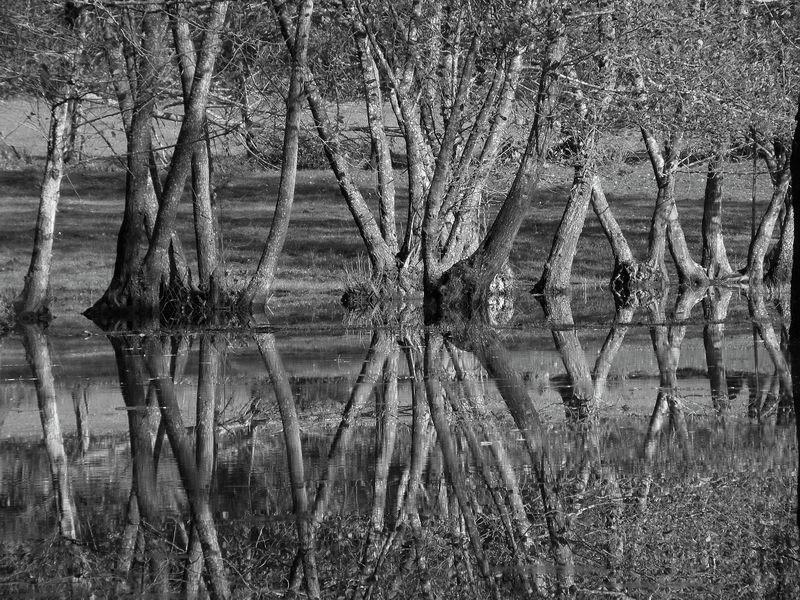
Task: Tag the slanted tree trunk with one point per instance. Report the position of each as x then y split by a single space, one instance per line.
34 299
209 268
380 255
558 268
760 244
715 258
780 271
257 290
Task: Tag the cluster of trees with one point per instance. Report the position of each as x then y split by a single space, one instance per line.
473 89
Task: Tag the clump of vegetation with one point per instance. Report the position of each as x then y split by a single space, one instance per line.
6 314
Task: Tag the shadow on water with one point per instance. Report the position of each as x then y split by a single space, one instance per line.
435 465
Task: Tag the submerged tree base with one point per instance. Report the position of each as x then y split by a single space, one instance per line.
467 293
177 306
635 283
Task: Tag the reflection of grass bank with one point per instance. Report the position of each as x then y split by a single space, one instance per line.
323 241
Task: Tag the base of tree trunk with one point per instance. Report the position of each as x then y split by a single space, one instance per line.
466 294
178 305
636 283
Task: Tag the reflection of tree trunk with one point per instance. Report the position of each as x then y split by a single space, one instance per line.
81 407
38 355
453 470
497 362
577 391
193 479
715 311
294 458
370 372
760 316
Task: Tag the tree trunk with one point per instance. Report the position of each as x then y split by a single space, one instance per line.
780 271
257 291
34 299
464 288
381 258
760 244
715 258
210 277
558 268
148 287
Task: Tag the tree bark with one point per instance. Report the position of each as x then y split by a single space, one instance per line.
210 278
780 271
794 329
760 244
257 291
715 311
715 258
34 299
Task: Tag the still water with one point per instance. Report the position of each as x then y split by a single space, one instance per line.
650 454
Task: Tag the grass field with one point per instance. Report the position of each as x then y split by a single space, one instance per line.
323 242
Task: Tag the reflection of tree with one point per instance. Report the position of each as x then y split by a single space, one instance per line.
38 354
195 475
779 386
715 311
294 457
148 368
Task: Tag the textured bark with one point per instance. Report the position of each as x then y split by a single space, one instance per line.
760 244
381 258
294 458
210 277
665 225
148 287
464 288
558 267
257 291
38 355
715 258
374 104
616 238
780 271
135 80
34 298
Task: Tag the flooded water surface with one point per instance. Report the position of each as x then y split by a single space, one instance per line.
648 454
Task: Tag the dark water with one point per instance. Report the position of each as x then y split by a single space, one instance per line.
646 453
